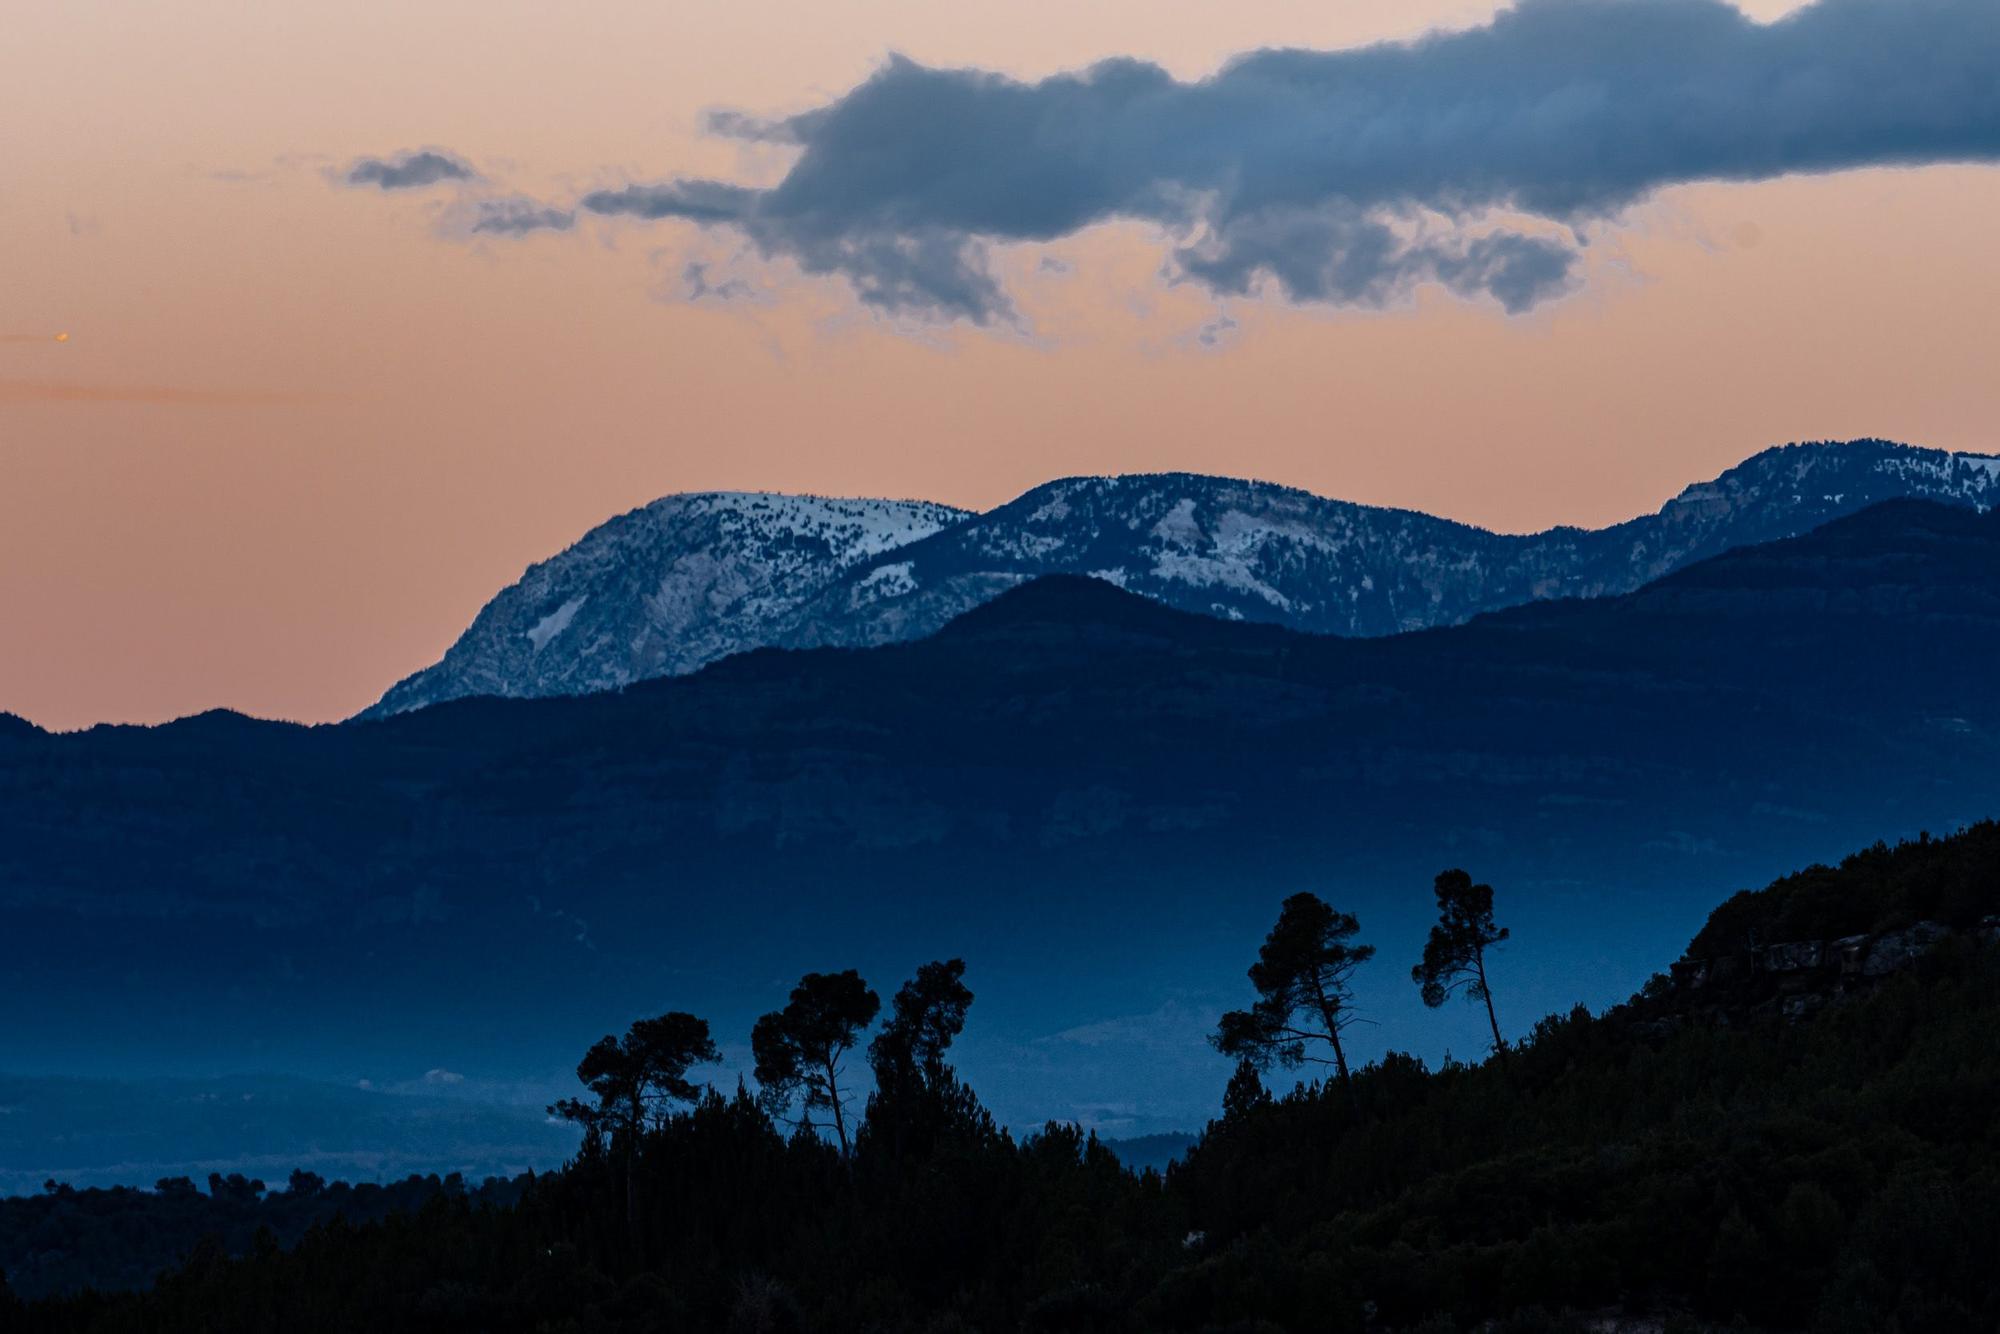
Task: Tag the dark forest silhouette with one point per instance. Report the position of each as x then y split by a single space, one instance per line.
1715 1153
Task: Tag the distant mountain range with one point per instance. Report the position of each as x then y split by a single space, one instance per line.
688 580
1097 800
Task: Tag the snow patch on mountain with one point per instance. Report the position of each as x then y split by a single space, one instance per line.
888 581
554 623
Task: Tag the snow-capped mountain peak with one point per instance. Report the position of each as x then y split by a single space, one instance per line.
663 590
689 579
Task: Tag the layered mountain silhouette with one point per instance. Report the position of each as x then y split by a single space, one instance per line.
1095 798
691 579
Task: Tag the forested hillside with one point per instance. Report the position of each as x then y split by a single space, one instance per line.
1674 1163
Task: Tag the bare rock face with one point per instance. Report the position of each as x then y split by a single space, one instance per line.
1794 979
1797 956
1895 950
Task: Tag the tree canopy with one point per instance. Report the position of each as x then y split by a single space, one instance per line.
799 1050
926 1014
1303 976
641 1074
1454 959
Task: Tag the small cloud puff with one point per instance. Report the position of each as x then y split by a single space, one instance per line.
409 171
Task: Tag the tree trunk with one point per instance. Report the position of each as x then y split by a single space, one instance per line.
1486 994
1331 1018
839 1121
1340 1061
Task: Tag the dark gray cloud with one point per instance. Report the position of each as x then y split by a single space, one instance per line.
409 171
1470 159
518 215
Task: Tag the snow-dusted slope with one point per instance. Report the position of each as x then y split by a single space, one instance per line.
689 579
664 590
1253 551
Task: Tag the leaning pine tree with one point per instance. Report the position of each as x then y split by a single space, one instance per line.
1455 955
1303 977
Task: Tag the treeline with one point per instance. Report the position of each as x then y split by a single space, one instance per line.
118 1239
1837 1175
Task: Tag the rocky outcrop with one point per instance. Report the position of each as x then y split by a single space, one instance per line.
1793 979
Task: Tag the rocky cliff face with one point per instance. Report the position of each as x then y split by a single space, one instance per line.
1796 979
687 580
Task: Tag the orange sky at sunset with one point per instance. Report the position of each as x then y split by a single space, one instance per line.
301 432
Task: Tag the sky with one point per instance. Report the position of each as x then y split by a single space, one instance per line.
371 305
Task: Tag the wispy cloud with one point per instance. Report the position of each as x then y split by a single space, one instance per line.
479 206
1474 160
700 284
1176 1027
409 171
517 215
